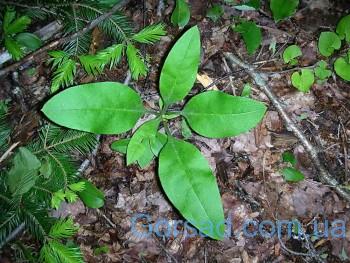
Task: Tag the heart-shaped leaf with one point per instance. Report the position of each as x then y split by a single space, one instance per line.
102 107
190 185
304 80
180 67
328 42
139 144
342 67
215 114
251 34
181 14
291 53
343 28
282 9
321 72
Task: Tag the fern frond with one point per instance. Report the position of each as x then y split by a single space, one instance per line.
57 58
111 55
79 45
136 64
150 34
36 220
63 228
8 222
95 64
4 128
63 140
92 64
55 252
64 75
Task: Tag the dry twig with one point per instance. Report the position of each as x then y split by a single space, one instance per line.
259 79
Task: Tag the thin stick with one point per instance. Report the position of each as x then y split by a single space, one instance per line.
60 41
259 79
8 152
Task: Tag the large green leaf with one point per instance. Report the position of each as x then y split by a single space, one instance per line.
191 186
343 28
342 67
22 176
120 146
216 114
180 67
181 14
139 144
251 34
282 9
102 107
328 42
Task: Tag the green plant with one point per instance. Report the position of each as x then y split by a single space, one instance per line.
30 184
113 108
65 64
343 29
215 12
282 9
181 14
303 80
17 42
291 174
328 43
251 34
291 53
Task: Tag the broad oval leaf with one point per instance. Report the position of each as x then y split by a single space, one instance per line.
328 42
139 144
191 186
180 67
342 67
303 81
102 107
215 114
251 34
343 28
292 175
282 9
91 196
181 14
28 40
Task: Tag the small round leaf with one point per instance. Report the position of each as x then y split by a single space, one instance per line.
328 42
291 53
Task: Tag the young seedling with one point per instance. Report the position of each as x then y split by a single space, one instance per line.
185 175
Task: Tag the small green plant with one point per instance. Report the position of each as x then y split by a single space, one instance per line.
17 42
282 9
291 174
290 54
185 175
251 34
328 43
303 81
181 14
215 12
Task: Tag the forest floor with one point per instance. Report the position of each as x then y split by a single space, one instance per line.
247 167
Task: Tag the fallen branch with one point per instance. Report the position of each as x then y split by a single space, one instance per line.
60 41
259 79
